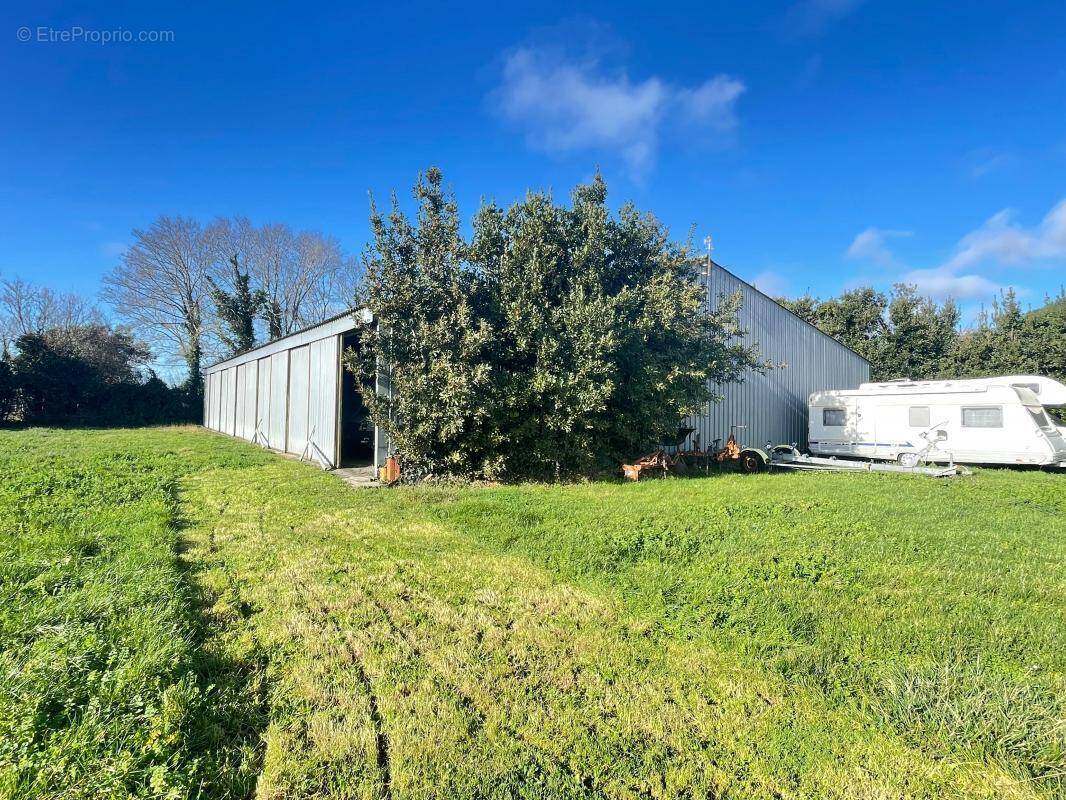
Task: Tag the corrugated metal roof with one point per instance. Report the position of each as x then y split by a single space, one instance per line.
326 327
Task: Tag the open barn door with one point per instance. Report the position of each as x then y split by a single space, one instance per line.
357 429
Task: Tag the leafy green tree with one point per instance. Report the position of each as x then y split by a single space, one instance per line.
1045 331
238 309
1009 341
920 337
974 350
557 340
90 374
857 318
432 336
901 335
8 387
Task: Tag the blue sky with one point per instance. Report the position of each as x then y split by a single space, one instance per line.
821 143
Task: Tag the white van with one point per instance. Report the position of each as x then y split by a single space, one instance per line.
981 421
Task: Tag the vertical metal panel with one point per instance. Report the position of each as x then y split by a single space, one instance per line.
207 402
772 406
229 400
216 405
299 395
223 393
251 386
211 412
216 401
322 409
241 376
279 399
262 413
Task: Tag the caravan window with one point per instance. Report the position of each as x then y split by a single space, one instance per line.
1032 387
834 417
983 417
919 416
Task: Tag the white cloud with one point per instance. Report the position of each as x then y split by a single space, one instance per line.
1003 241
985 160
568 104
772 283
999 242
712 104
871 245
942 283
811 17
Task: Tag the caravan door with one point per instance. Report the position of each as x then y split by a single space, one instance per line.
889 431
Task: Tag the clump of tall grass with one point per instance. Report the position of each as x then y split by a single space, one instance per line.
108 688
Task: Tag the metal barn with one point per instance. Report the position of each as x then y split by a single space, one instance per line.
772 406
294 396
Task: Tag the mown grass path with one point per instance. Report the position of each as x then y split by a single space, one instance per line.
794 635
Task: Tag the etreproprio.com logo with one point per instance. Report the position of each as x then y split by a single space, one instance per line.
77 34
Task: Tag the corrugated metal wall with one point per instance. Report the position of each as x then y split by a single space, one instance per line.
229 400
323 400
284 398
299 377
279 400
773 406
286 395
262 414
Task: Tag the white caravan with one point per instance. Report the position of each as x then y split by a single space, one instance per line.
979 421
1050 393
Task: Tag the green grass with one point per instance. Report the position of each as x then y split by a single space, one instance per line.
109 686
183 613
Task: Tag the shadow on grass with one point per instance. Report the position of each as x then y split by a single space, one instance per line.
223 731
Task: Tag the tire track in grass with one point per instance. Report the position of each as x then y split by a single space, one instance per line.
357 596
566 680
355 657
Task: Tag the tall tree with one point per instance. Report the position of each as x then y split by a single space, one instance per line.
26 308
60 377
237 309
160 289
901 335
921 335
557 339
1045 332
305 276
1008 340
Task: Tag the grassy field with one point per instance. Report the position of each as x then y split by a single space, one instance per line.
185 615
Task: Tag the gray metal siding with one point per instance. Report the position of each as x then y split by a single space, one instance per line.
382 442
262 413
229 400
279 400
322 401
299 377
772 406
285 394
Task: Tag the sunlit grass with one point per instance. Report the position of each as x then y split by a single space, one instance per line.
734 636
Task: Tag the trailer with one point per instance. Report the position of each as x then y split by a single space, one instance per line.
789 458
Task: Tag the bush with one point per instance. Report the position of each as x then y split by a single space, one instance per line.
88 374
555 341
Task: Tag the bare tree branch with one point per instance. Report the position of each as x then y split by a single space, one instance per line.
161 285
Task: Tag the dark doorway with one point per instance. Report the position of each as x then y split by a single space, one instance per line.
357 429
